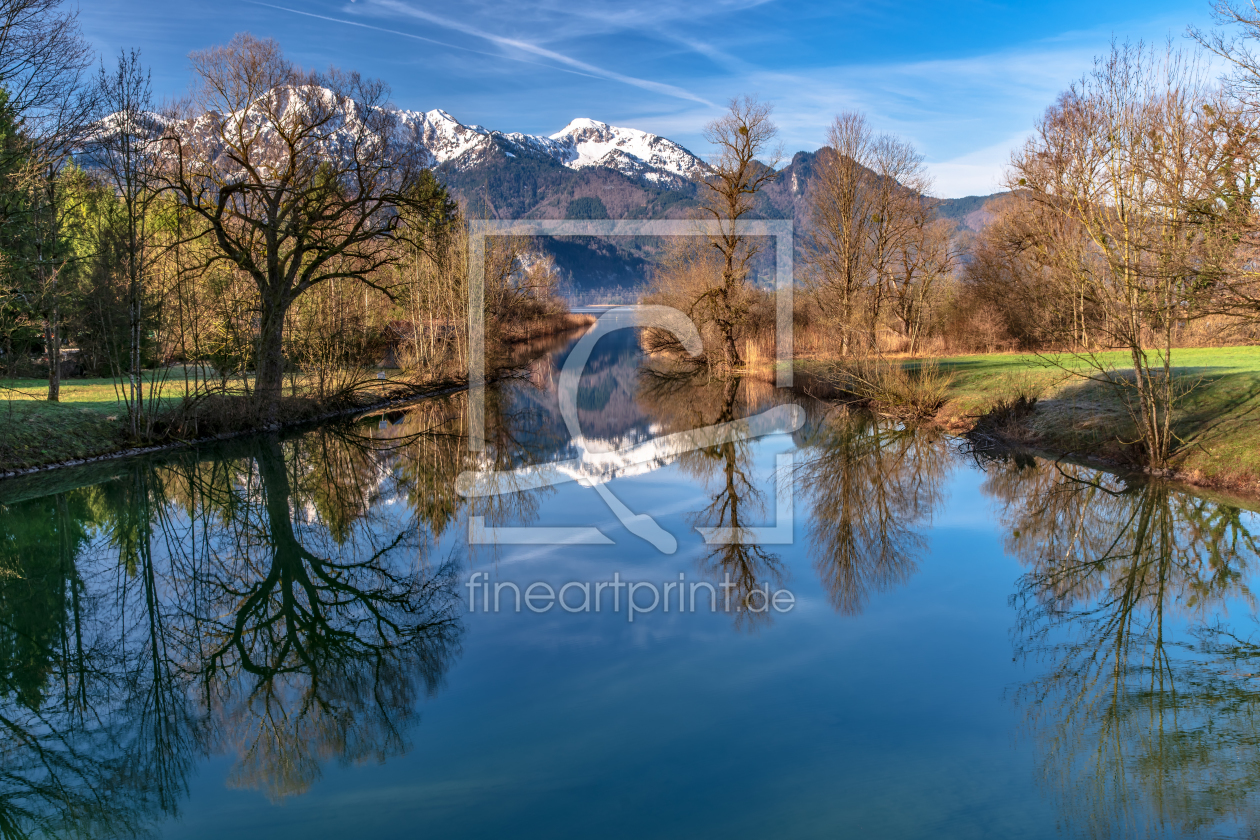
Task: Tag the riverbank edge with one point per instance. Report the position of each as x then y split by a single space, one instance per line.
438 390
998 429
1013 432
1243 493
114 449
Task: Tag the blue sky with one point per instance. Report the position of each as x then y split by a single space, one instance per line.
964 81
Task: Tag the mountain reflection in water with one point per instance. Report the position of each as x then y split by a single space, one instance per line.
286 604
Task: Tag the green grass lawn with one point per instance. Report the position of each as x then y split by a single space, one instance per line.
1217 420
89 419
983 373
1188 361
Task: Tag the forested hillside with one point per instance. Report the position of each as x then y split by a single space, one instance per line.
503 184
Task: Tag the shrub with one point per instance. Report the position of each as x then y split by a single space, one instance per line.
907 392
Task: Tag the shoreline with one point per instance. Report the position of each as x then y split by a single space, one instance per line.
135 451
1241 492
1011 402
548 329
979 409
1065 424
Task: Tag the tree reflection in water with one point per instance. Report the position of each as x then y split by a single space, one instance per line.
873 485
683 400
280 601
315 634
264 602
60 762
1147 715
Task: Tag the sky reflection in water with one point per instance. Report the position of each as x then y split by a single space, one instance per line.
273 638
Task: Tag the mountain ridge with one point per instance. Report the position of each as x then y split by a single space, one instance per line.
583 143
588 169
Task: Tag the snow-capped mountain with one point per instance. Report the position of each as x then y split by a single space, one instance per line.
582 143
442 139
587 170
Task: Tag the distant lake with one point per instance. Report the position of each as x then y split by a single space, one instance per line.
810 623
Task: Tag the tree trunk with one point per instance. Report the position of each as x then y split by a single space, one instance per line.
54 353
137 394
135 299
728 315
269 383
873 337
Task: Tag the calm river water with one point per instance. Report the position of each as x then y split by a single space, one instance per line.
840 628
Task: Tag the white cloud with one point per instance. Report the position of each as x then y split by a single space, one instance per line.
976 173
532 48
966 114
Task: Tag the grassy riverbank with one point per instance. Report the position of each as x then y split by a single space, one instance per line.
90 421
1217 420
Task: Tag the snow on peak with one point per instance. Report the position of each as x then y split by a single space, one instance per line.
589 142
588 129
582 143
442 136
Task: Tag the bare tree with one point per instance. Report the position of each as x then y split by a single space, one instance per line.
1232 138
1234 45
1120 155
873 236
1031 269
42 54
841 217
125 150
735 175
925 257
899 183
299 178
